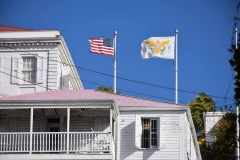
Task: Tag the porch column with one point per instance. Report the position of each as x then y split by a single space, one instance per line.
111 131
31 130
68 126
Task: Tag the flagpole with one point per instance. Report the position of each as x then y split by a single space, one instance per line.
176 69
237 110
115 63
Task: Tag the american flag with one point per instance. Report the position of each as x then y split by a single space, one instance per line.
102 46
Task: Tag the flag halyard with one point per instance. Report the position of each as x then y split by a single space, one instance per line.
102 46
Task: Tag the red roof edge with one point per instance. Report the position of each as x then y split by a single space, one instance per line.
8 28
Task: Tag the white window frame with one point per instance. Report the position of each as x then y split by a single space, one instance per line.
150 132
138 129
32 70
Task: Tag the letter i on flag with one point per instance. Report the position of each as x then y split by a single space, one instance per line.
102 46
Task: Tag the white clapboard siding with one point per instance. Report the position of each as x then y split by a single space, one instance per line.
24 125
190 147
52 67
169 137
80 124
1 70
65 78
8 125
101 124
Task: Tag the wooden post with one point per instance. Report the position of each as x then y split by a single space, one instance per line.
31 130
111 131
68 126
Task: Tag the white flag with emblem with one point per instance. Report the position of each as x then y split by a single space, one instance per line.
158 47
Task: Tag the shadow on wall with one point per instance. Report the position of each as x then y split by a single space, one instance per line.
128 150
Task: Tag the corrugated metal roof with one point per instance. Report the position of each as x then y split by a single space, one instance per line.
121 100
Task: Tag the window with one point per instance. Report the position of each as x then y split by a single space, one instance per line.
29 70
149 133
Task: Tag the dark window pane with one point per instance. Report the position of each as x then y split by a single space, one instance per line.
154 130
53 120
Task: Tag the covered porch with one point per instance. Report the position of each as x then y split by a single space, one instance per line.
57 129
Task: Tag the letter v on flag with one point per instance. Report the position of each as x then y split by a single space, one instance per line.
102 46
158 47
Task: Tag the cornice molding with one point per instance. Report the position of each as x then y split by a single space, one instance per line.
7 44
19 105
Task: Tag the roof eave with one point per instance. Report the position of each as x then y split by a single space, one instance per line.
62 100
147 108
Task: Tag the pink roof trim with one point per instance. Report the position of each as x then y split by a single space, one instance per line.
121 100
8 28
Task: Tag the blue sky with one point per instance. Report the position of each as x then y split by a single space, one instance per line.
205 30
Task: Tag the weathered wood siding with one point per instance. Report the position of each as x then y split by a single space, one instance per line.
170 133
24 125
80 124
190 147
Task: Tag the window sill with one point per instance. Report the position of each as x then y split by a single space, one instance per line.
27 84
148 148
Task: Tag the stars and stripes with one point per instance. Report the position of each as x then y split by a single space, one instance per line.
102 46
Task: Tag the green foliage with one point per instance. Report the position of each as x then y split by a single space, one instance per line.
224 132
235 63
202 103
106 89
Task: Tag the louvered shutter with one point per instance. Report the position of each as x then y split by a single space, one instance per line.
159 132
40 68
1 64
65 78
138 131
20 68
15 69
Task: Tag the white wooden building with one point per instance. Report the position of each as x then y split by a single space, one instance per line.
89 124
34 61
210 121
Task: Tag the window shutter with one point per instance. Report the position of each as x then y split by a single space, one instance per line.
20 67
40 67
159 132
138 131
1 63
15 67
65 78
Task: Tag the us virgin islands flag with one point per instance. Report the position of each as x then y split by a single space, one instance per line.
158 47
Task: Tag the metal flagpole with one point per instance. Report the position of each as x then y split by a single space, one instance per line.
176 68
237 111
115 63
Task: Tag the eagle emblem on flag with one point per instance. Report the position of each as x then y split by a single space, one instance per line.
158 47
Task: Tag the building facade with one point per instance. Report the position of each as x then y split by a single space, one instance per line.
34 61
46 114
88 124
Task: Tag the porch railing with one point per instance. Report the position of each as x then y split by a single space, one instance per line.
85 142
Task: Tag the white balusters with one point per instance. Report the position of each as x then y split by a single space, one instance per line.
46 142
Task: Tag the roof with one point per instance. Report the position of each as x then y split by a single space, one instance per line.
121 100
8 28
